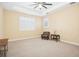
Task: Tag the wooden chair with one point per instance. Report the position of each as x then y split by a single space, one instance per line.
3 46
45 35
55 37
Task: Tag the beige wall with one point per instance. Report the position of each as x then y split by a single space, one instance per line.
12 25
66 23
1 21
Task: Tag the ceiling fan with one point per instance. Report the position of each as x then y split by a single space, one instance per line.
41 4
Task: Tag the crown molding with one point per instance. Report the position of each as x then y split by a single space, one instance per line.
30 11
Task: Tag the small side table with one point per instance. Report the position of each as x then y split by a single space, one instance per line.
55 37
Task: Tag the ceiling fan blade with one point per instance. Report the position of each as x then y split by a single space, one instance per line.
44 6
37 2
47 4
36 6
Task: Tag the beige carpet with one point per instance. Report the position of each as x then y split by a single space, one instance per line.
41 48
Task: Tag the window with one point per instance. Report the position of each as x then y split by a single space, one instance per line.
27 23
45 22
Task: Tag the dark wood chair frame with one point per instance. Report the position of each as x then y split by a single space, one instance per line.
45 35
55 37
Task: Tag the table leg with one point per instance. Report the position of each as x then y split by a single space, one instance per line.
4 51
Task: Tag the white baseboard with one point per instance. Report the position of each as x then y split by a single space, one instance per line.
73 43
14 39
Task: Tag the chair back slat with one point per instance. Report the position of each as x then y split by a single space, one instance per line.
47 33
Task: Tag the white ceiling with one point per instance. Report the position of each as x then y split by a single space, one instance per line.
27 7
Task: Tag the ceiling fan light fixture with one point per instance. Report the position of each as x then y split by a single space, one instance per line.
40 6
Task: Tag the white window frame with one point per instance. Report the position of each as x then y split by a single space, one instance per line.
45 22
27 23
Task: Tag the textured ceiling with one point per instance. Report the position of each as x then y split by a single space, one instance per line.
27 7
